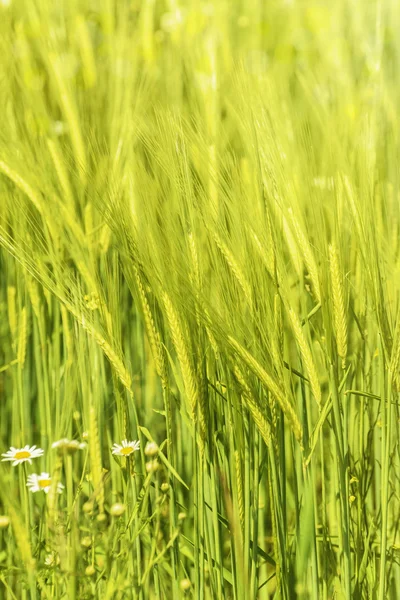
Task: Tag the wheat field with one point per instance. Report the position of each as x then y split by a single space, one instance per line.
199 299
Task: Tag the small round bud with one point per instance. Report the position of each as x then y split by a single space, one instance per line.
151 449
101 517
76 415
90 570
181 516
185 585
85 435
164 487
88 507
117 509
4 521
152 466
86 541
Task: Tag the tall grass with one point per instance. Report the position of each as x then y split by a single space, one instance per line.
199 249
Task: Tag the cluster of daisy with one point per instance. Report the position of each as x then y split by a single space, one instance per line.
36 482
42 482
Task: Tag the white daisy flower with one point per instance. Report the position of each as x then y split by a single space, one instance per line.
42 483
20 455
126 448
68 446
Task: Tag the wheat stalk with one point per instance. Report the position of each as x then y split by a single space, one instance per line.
61 172
12 310
271 385
253 407
307 255
153 335
295 255
21 537
234 267
338 305
22 337
240 495
184 356
23 185
67 334
306 355
95 458
267 256
33 292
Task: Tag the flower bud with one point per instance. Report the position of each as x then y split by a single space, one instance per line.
151 449
185 585
88 507
4 521
86 541
117 509
152 466
101 518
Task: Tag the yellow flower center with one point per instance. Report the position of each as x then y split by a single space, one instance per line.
44 483
127 450
22 454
